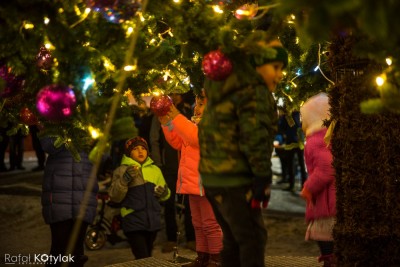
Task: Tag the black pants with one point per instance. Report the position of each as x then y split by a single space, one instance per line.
291 166
141 243
61 233
170 211
326 247
3 147
244 233
16 150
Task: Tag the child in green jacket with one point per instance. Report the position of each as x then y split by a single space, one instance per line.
139 185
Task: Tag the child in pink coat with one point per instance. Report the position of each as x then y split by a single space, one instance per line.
319 189
182 135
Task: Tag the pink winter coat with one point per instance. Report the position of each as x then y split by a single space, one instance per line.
321 177
181 134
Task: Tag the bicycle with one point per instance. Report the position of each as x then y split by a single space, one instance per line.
103 230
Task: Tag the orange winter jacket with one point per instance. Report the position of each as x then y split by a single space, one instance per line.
181 134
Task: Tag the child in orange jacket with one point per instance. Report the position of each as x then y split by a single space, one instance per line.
182 135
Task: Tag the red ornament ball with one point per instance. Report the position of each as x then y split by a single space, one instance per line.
27 116
56 102
160 105
216 66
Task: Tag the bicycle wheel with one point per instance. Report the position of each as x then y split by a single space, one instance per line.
95 238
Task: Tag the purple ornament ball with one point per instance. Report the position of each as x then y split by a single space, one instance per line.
216 66
56 102
12 84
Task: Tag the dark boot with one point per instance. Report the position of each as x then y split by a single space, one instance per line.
200 261
214 260
329 260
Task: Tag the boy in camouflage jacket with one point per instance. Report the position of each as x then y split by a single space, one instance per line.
236 143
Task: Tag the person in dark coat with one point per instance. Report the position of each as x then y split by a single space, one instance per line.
292 135
64 184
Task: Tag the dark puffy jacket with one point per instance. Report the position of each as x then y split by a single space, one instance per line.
141 210
236 132
64 184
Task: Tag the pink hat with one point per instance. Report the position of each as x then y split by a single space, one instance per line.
314 111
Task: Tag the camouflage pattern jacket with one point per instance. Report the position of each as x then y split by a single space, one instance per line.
236 132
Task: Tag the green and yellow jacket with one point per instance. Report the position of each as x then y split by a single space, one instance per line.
141 210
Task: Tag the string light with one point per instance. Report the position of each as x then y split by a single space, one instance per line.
107 64
87 82
142 19
291 19
217 9
46 20
48 45
84 16
95 133
130 68
380 80
389 61
27 25
264 9
319 64
129 31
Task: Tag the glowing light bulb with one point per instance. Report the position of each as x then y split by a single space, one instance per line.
380 80
95 133
46 20
49 46
389 61
87 82
28 25
217 9
130 68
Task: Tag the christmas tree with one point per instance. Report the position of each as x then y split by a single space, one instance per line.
365 107
72 66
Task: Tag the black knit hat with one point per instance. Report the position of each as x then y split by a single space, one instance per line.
133 142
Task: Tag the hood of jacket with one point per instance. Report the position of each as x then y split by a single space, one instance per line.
129 161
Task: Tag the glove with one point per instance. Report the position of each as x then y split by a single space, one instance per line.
261 193
160 191
130 173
